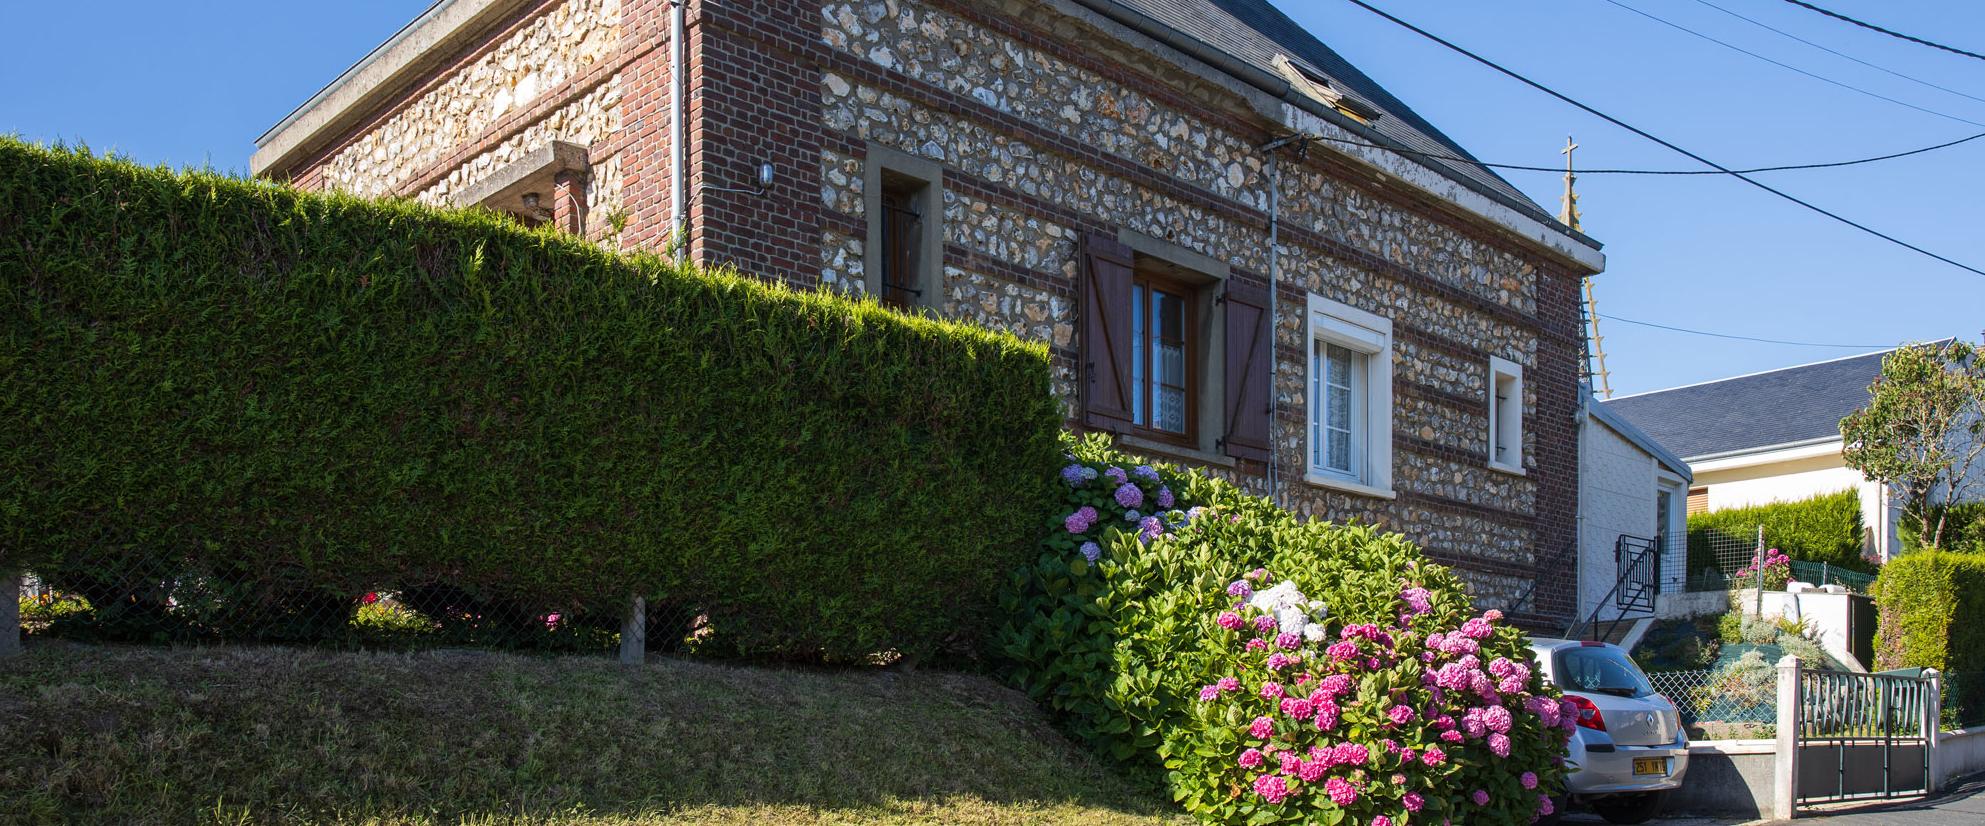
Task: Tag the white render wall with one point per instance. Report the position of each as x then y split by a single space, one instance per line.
1617 481
1792 475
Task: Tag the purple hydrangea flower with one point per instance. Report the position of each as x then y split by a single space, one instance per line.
1091 551
1151 527
1132 515
1129 495
1117 475
1073 475
1239 588
1145 472
1165 498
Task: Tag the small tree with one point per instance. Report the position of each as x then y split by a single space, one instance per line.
1923 429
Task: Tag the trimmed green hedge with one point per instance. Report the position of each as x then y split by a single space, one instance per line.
290 400
1931 612
1824 528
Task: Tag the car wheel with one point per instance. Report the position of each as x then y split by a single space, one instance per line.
1629 808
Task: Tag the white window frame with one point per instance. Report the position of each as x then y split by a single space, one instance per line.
1368 334
1506 419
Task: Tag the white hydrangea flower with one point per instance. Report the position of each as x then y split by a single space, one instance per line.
1275 599
1314 632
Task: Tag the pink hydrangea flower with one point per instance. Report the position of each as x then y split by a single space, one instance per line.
1327 715
1272 788
1400 715
1528 779
1433 756
1544 805
1336 685
1250 758
1257 644
1259 574
1278 661
1497 719
1341 651
1509 685
1229 620
1311 771
1288 641
1289 761
1229 684
1209 693
1262 728
1298 708
1264 623
1480 797
1412 801
1499 744
1271 690
1450 736
1239 588
1341 791
1350 754
1419 600
1381 820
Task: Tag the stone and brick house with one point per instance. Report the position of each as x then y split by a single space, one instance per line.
1104 175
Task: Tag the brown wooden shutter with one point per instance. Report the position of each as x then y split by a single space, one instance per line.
1698 501
1105 376
1250 362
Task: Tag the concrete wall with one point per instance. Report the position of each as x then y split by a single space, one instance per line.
1828 613
1728 778
1960 753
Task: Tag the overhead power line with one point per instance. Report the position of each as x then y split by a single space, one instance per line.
1560 170
1744 338
1890 32
1650 136
1789 67
1837 53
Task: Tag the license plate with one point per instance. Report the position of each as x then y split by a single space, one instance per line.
1650 765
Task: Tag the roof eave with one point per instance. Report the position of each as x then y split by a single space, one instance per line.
415 49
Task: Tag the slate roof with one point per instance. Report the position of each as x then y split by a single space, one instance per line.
1779 407
1254 32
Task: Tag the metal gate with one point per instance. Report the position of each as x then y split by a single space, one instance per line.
1863 736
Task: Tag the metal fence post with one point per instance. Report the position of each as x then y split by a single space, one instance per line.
634 634
1785 770
1933 728
1757 563
10 615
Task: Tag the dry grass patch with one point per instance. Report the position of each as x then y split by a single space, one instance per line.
269 735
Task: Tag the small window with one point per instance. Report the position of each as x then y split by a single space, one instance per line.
903 257
1698 501
902 240
1350 398
1505 389
1164 397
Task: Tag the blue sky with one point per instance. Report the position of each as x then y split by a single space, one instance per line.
194 83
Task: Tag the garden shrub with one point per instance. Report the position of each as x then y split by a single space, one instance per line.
1824 528
1930 612
1964 527
232 406
1127 625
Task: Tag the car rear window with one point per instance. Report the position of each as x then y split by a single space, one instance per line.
1601 670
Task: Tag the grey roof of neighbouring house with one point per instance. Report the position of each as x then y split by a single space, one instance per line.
1778 408
1632 433
1254 32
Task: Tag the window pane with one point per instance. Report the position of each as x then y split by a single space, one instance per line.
1340 450
1139 390
1340 365
1316 405
1171 410
1338 408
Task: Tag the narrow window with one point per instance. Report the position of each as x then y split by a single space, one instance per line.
1698 501
1349 399
902 240
1505 402
1163 396
903 249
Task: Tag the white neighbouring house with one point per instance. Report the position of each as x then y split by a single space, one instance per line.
1771 437
1630 497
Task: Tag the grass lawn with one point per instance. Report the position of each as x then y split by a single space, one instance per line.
99 734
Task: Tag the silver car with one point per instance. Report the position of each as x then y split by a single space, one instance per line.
1629 748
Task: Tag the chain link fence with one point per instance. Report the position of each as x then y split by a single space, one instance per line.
1737 702
1709 560
167 599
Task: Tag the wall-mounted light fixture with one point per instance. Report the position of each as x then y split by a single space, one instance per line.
766 173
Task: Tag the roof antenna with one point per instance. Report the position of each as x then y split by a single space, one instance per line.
1595 351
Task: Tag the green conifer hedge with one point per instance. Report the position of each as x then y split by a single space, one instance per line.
281 401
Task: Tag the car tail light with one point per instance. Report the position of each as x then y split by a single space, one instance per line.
1588 714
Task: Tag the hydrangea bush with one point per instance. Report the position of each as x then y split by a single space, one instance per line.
1274 669
1777 568
1426 717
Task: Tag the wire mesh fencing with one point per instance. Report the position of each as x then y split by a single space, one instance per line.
1736 702
1821 573
171 599
1710 560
